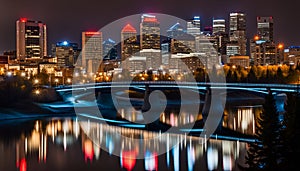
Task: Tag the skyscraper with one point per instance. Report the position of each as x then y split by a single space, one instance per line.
265 28
237 31
129 43
150 32
109 49
91 51
31 39
180 41
193 26
263 49
66 53
219 26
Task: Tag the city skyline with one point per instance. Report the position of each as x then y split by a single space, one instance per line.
75 24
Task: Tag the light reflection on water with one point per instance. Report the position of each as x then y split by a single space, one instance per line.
237 118
60 144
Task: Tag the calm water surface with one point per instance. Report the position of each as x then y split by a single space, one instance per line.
72 144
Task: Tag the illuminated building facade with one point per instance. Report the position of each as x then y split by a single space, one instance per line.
137 64
292 55
242 61
184 63
237 31
129 44
31 39
206 46
184 43
109 49
193 26
66 53
149 32
263 49
265 28
3 64
179 40
91 51
232 49
153 58
219 26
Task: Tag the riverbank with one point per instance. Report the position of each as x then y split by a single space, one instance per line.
25 109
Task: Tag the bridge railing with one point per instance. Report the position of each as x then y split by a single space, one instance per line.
181 83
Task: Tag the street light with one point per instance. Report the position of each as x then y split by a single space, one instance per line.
23 74
56 81
37 92
9 73
69 80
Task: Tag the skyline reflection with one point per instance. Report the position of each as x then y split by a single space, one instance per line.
51 142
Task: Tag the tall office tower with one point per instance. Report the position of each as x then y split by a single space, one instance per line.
109 49
66 54
193 26
31 39
129 44
219 26
91 51
179 40
265 28
237 31
149 32
263 49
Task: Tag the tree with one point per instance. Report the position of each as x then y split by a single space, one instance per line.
13 90
280 76
265 153
291 132
252 76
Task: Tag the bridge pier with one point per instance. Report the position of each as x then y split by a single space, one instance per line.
146 105
104 98
209 109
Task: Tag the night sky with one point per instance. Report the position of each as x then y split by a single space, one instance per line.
66 19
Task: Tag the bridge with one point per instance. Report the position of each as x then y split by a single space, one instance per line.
92 90
262 88
74 92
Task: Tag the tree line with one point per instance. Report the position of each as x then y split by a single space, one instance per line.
276 146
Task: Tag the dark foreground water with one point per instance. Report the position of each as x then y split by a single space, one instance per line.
60 144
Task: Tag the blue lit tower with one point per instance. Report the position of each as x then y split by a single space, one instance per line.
66 53
193 26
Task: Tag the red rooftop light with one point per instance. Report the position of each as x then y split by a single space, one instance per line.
154 20
23 20
129 28
91 33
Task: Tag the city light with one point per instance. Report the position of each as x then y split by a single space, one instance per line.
65 43
9 74
92 33
37 92
280 46
23 20
23 74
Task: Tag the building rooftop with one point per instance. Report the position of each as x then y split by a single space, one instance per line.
129 29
